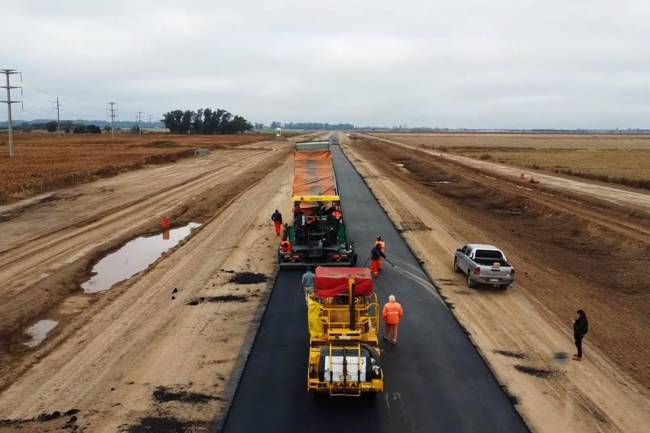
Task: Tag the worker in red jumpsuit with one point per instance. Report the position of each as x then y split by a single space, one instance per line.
391 316
375 256
382 247
277 220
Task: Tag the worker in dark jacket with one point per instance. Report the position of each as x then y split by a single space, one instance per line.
580 329
277 220
375 256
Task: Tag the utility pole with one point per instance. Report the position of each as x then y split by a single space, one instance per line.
58 115
112 112
138 120
150 125
8 101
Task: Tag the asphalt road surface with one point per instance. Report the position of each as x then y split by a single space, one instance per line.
435 381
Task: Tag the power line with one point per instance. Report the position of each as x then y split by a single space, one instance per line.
112 113
8 73
58 115
138 120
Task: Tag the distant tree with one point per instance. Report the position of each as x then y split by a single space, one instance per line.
79 129
258 126
172 121
93 129
135 129
197 122
275 124
107 128
205 121
50 126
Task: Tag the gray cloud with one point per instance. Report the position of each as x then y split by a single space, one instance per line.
449 63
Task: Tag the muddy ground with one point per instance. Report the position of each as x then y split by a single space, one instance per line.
49 246
568 255
161 351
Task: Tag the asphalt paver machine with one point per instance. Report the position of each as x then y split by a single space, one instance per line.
343 320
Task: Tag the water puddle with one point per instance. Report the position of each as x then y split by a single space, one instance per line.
133 257
39 330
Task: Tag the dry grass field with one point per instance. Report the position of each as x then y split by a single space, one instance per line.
622 159
47 161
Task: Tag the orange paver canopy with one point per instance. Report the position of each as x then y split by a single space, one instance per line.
313 173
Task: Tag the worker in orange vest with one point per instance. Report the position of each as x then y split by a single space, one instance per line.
379 243
391 315
375 256
285 246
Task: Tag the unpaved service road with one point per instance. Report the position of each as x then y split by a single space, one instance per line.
619 196
521 331
160 350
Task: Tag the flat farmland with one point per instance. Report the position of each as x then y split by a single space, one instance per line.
620 159
47 161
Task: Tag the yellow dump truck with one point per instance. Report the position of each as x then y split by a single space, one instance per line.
343 319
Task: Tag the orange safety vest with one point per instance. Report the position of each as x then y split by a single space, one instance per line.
285 246
392 313
381 245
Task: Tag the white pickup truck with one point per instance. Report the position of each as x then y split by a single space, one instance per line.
484 264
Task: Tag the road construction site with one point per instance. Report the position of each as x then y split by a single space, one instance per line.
213 322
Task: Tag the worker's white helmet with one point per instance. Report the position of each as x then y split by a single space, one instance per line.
391 298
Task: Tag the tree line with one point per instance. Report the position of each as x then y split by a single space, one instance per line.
205 121
313 125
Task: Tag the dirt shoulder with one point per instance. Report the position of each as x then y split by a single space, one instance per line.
161 352
48 247
631 199
521 332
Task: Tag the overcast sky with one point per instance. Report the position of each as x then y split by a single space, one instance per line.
447 63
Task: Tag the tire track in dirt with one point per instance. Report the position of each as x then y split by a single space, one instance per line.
596 395
113 366
45 276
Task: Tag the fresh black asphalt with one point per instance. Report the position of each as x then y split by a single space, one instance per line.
435 381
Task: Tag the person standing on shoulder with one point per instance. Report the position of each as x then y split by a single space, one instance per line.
375 256
391 315
277 220
580 329
308 281
382 247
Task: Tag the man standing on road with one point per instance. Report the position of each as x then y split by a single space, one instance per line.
375 256
382 247
391 315
308 281
580 329
277 220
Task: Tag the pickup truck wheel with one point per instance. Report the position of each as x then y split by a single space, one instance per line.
456 268
504 287
470 283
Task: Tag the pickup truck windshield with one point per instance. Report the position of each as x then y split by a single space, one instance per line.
488 254
488 257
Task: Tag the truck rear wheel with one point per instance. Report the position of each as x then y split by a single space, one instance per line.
471 284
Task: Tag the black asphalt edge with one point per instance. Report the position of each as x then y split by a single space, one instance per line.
502 385
232 386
